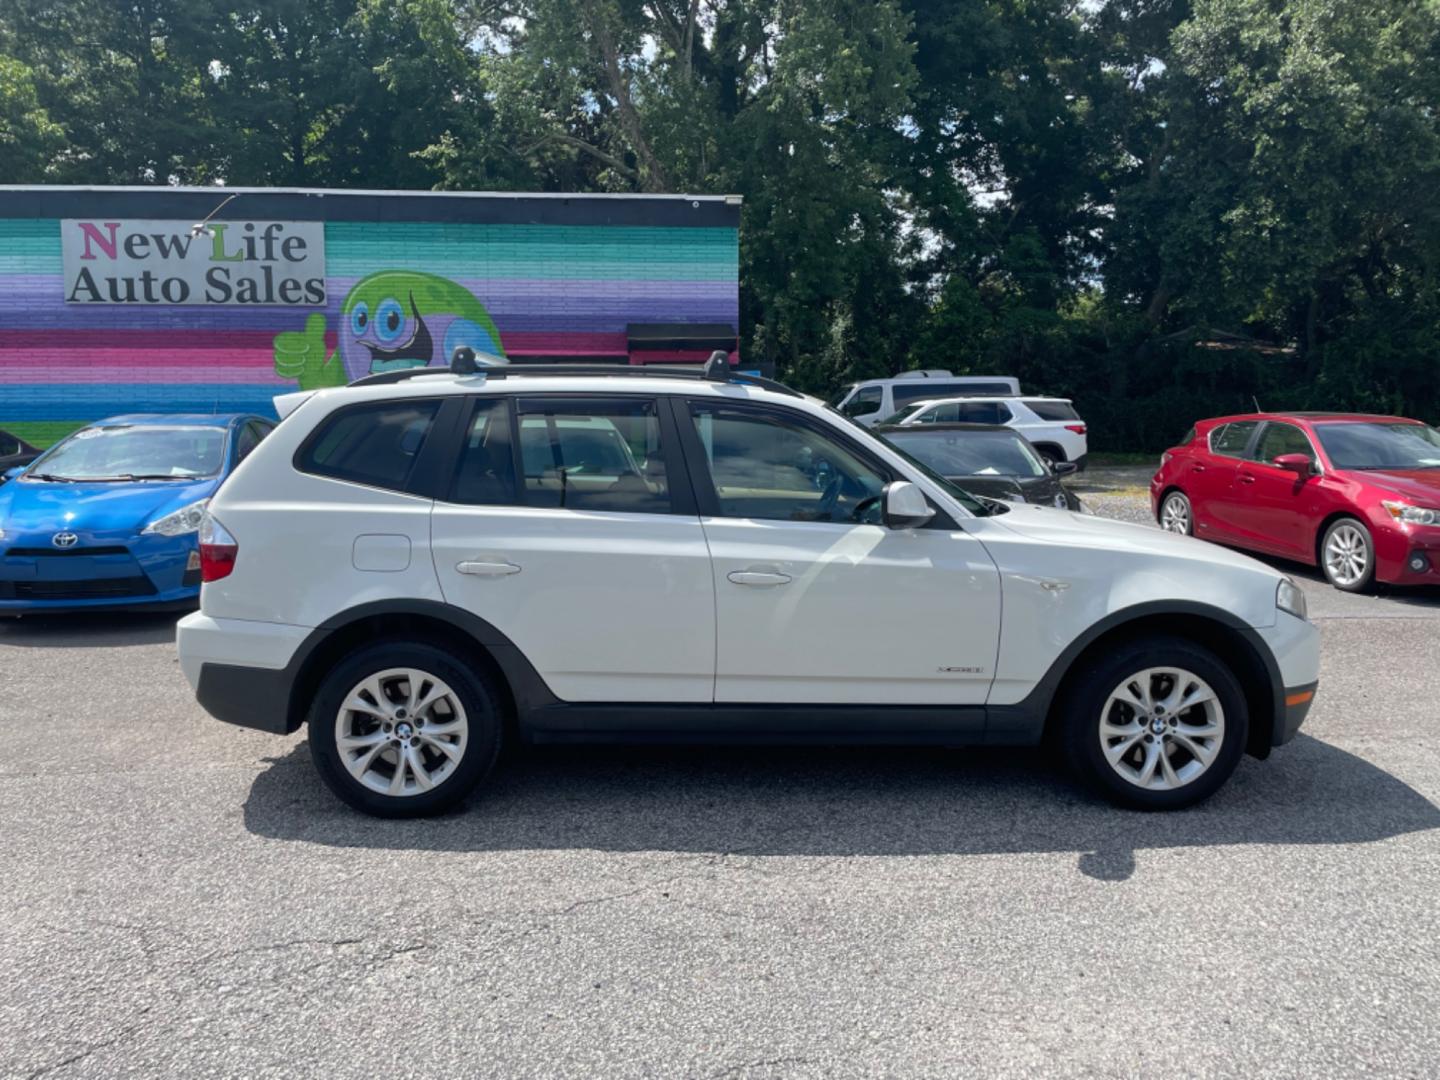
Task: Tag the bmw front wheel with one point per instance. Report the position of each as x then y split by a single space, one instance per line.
1156 725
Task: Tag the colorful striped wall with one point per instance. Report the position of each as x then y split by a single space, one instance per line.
551 290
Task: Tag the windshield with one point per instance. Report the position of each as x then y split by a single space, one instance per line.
904 414
1380 445
971 453
124 452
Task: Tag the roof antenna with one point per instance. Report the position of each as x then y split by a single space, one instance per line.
204 226
1257 403
717 368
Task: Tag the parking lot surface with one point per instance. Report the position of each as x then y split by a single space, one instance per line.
183 898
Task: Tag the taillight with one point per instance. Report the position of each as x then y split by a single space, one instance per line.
1078 429
217 550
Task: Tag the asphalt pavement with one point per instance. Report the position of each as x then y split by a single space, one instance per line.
180 898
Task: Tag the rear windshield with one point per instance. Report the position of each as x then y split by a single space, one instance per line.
970 453
1052 410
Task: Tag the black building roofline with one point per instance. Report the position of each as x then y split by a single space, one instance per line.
326 204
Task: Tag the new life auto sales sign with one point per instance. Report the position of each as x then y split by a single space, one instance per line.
167 262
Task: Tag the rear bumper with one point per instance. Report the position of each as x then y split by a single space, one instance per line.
242 671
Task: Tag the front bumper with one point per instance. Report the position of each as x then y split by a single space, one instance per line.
1295 646
1396 545
99 572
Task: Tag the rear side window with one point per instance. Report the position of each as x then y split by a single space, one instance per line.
593 454
921 389
485 475
1232 439
376 445
1053 410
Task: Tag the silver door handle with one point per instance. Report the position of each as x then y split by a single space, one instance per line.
757 577
487 569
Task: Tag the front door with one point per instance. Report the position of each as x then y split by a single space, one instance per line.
816 601
571 529
1274 505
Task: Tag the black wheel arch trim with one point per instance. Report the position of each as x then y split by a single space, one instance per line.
266 699
1025 721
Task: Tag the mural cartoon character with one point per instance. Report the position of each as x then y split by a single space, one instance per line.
392 320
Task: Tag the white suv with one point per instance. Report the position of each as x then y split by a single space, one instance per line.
425 564
1051 424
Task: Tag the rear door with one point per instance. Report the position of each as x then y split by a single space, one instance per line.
570 527
1274 506
1214 493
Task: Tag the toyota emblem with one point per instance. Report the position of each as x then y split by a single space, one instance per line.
64 540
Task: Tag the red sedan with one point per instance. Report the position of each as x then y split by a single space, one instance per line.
1357 495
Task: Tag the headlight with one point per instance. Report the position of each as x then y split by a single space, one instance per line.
1411 515
185 520
1288 597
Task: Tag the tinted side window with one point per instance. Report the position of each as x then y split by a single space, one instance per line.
8 445
920 390
864 402
593 454
1053 410
485 473
1280 439
983 412
764 466
1232 439
370 444
250 436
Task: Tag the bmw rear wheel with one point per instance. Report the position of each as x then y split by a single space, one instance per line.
403 729
1176 515
1347 556
1157 724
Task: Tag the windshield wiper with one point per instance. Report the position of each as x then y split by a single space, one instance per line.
50 477
162 476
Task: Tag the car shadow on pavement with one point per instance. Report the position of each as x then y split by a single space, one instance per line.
83 630
835 802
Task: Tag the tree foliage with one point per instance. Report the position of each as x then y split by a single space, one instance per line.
1163 208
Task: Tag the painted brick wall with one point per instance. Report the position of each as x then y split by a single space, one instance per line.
550 289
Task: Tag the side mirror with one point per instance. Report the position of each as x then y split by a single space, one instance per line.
1296 463
906 506
1064 468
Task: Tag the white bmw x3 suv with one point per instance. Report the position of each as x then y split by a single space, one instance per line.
424 564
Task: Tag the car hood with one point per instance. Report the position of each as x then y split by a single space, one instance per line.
33 506
1421 486
1069 529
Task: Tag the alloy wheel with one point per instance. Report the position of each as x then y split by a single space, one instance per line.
401 732
1175 514
1347 555
1161 728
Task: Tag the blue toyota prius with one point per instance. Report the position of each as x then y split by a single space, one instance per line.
108 517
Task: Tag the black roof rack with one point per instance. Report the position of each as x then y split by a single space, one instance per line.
716 369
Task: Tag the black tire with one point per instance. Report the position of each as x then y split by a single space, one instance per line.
1051 455
1332 573
1182 502
1083 709
482 721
